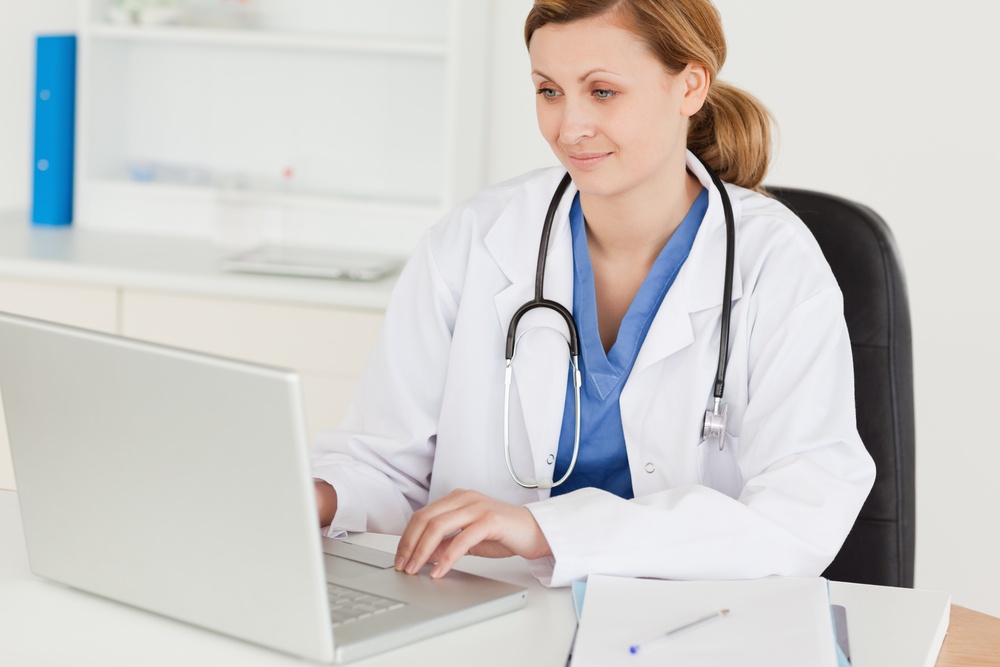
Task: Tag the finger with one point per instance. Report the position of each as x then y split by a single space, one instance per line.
414 532
435 531
439 552
415 528
461 544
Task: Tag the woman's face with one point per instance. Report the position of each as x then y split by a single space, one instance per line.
612 113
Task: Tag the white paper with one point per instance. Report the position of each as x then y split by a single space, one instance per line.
773 621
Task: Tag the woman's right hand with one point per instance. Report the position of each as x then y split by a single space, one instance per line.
326 502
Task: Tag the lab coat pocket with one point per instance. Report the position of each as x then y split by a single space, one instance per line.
719 470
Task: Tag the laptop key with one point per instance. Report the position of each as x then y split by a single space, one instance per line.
348 605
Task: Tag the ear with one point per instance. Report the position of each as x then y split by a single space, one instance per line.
696 80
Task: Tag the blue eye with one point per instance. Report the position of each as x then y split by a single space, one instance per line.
548 93
603 94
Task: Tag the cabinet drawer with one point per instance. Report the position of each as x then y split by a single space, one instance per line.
323 340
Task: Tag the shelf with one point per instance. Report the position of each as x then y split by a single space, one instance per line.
377 109
269 39
263 198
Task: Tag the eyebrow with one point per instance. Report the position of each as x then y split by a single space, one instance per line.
582 78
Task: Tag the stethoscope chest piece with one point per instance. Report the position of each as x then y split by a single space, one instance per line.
715 423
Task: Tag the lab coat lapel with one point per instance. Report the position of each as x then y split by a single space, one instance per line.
699 283
540 368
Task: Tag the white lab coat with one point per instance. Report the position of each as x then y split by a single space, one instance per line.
427 416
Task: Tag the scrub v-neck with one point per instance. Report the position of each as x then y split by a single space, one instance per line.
603 461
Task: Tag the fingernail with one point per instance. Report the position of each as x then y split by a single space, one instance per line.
436 572
399 563
411 567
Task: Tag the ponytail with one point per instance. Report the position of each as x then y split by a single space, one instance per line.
732 132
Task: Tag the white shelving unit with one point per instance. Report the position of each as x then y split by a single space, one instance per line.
327 122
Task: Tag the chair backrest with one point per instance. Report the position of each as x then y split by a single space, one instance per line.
862 253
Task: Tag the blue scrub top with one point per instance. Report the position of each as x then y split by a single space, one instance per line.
603 462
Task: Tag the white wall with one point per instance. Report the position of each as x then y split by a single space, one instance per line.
883 102
515 145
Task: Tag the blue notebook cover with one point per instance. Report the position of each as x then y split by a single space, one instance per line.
55 114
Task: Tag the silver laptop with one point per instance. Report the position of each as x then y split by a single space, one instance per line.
179 483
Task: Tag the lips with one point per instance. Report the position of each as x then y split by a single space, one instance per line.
588 159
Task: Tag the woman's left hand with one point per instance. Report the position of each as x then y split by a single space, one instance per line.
467 522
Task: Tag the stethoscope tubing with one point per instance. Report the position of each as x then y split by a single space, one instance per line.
540 302
727 285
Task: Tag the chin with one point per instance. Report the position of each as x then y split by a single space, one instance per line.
593 184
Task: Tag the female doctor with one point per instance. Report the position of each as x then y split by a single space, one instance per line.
435 447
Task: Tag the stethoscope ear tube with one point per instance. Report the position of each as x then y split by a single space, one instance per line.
543 246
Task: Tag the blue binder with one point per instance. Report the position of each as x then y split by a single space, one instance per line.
55 111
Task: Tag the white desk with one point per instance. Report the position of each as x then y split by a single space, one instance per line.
43 624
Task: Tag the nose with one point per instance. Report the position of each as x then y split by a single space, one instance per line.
577 122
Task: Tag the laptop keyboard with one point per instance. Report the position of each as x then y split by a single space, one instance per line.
348 605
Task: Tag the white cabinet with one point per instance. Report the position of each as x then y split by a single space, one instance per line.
330 122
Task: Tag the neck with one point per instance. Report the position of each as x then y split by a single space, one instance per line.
634 226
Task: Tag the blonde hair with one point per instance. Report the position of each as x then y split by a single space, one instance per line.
732 131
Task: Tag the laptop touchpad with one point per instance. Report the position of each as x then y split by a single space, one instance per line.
347 560
342 568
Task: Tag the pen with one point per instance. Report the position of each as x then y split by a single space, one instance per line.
656 641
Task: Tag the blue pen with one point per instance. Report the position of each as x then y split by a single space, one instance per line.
656 641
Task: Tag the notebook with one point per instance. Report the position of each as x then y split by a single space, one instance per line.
777 620
179 483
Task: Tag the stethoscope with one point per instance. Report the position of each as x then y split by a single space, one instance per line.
714 426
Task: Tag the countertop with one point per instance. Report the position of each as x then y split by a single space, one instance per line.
162 263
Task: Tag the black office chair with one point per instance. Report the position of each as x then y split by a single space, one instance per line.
862 253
